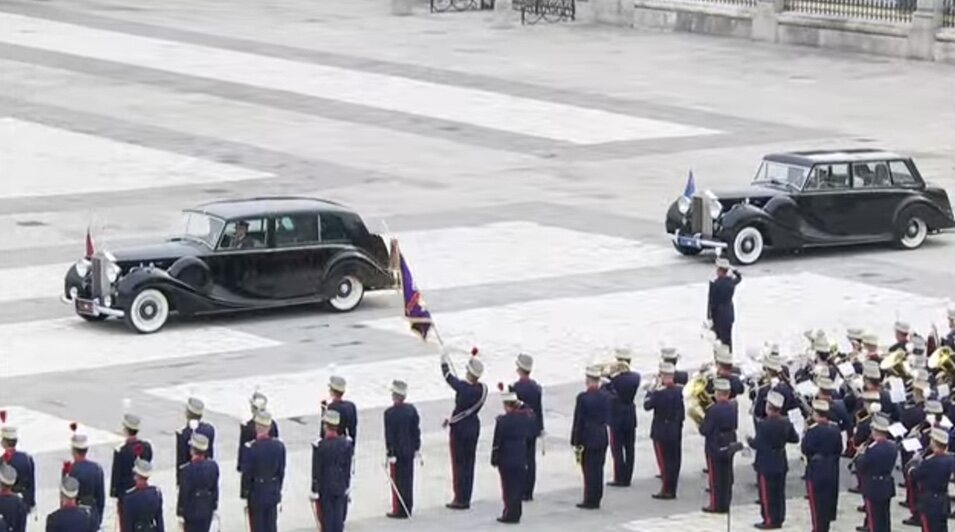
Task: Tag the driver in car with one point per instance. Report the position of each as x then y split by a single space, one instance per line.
242 240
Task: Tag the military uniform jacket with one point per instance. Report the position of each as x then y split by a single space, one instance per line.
198 489
875 467
720 299
681 377
92 484
839 414
348 426
772 435
669 413
247 435
124 457
736 385
70 519
862 432
912 416
26 475
402 431
511 432
331 466
789 399
623 388
183 436
822 447
468 400
719 426
142 510
591 415
263 471
14 511
531 394
934 473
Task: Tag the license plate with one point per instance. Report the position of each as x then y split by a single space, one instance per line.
86 307
688 242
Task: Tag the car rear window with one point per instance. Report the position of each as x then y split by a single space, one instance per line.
874 174
296 229
333 229
901 175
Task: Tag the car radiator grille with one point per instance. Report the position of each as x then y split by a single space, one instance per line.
700 221
98 281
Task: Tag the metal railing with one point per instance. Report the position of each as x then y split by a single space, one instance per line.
882 10
442 6
948 14
746 3
534 11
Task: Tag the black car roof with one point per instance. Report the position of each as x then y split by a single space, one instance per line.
811 157
267 206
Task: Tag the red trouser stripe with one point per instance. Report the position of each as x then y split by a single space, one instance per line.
868 516
658 451
321 516
454 470
925 526
764 499
503 488
812 505
394 489
710 477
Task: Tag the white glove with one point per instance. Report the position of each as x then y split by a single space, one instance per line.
445 359
392 460
313 496
181 521
875 408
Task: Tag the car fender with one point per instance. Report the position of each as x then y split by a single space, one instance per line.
139 279
192 271
742 215
354 262
934 216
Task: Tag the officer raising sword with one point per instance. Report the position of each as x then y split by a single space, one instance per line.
469 397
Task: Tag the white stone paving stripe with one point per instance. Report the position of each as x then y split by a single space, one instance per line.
109 224
566 334
32 282
41 433
71 344
471 106
38 160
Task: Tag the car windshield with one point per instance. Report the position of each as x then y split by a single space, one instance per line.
202 228
781 174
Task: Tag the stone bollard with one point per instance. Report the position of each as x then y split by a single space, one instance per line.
766 20
926 21
401 8
503 15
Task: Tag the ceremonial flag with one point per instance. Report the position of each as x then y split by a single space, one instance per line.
89 243
417 315
690 189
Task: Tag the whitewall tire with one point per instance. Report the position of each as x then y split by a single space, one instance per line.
747 246
913 232
148 312
349 291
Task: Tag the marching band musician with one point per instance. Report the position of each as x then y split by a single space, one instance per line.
70 516
530 394
666 429
622 387
195 409
719 309
89 475
589 437
13 509
198 498
773 432
854 336
469 397
932 476
949 339
509 455
902 331
726 371
913 418
247 432
125 457
822 447
670 355
331 473
775 382
719 430
862 435
142 503
402 443
263 474
348 414
22 462
870 347
872 381
837 412
875 464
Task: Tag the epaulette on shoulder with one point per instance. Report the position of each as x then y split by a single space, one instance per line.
316 442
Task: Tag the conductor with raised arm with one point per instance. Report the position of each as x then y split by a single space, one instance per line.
719 310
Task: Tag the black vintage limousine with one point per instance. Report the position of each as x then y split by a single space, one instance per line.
813 198
236 255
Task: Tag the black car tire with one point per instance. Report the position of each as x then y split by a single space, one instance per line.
348 294
148 311
746 246
911 229
687 251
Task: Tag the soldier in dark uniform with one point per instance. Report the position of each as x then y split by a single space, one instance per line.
402 444
198 498
142 503
719 309
622 387
124 458
727 371
822 447
719 429
872 382
263 473
666 429
870 348
530 394
195 409
776 383
875 465
258 402
932 476
670 355
508 455
772 434
22 462
12 508
70 517
912 418
331 474
469 397
89 475
902 331
862 434
838 413
589 437
346 409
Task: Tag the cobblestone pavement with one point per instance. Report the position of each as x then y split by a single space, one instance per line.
526 172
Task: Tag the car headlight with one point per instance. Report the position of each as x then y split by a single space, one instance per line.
82 267
112 272
683 204
713 204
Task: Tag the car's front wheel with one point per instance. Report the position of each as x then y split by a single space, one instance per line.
746 246
349 291
148 311
911 231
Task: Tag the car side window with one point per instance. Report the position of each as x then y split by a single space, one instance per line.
244 234
296 229
828 177
871 175
901 175
333 229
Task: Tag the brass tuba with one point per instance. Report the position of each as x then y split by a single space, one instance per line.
942 362
697 397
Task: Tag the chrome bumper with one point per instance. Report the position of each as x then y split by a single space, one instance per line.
95 308
695 241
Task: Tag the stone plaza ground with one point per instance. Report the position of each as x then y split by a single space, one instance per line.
526 172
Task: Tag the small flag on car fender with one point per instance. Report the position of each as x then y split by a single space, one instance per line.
89 243
690 188
418 316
